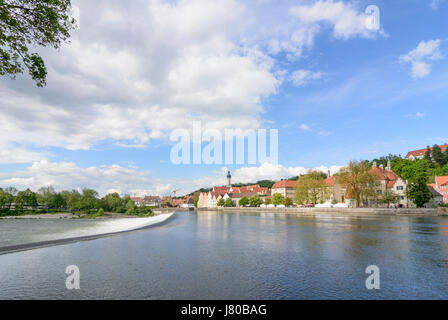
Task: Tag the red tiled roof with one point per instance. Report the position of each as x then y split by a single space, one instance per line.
221 190
243 194
421 152
383 174
440 181
330 181
284 184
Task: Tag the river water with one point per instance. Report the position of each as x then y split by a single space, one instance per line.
210 255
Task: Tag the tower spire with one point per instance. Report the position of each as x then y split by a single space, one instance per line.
229 180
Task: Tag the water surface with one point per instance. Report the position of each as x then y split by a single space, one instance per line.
210 255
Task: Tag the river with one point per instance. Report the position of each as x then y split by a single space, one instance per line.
209 255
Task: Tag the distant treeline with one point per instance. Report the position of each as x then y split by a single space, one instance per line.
47 200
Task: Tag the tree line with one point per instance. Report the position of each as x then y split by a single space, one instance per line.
47 200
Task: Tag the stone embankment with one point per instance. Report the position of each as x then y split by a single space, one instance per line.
337 211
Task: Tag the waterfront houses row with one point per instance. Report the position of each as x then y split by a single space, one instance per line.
387 183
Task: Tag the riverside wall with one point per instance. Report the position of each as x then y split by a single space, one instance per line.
337 211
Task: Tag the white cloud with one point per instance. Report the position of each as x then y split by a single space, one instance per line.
420 56
344 18
67 176
416 115
176 62
305 127
19 155
303 77
132 82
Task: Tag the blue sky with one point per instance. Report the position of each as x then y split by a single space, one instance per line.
335 90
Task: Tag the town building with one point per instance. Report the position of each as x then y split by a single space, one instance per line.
236 197
285 188
152 201
437 198
387 181
138 201
441 186
420 153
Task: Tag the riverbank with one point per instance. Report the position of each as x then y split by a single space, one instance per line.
106 215
337 211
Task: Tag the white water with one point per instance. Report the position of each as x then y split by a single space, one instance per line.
27 231
113 226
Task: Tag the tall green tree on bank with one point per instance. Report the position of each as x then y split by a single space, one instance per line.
277 199
389 197
438 157
25 24
360 182
255 201
244 201
311 188
228 203
25 198
220 202
418 192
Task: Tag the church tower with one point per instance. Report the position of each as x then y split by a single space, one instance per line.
229 180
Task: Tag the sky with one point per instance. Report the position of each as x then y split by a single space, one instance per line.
335 89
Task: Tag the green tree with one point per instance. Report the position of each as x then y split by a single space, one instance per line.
445 153
255 201
428 157
26 198
288 202
437 156
88 200
267 201
220 202
277 199
244 201
311 188
359 180
27 23
6 198
418 192
100 212
130 207
266 183
228 203
46 196
113 202
389 197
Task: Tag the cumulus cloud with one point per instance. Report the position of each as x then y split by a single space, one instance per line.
420 57
133 82
175 63
303 77
10 154
67 176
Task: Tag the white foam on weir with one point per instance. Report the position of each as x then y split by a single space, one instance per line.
114 226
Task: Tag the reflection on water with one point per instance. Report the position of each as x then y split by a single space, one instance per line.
210 255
